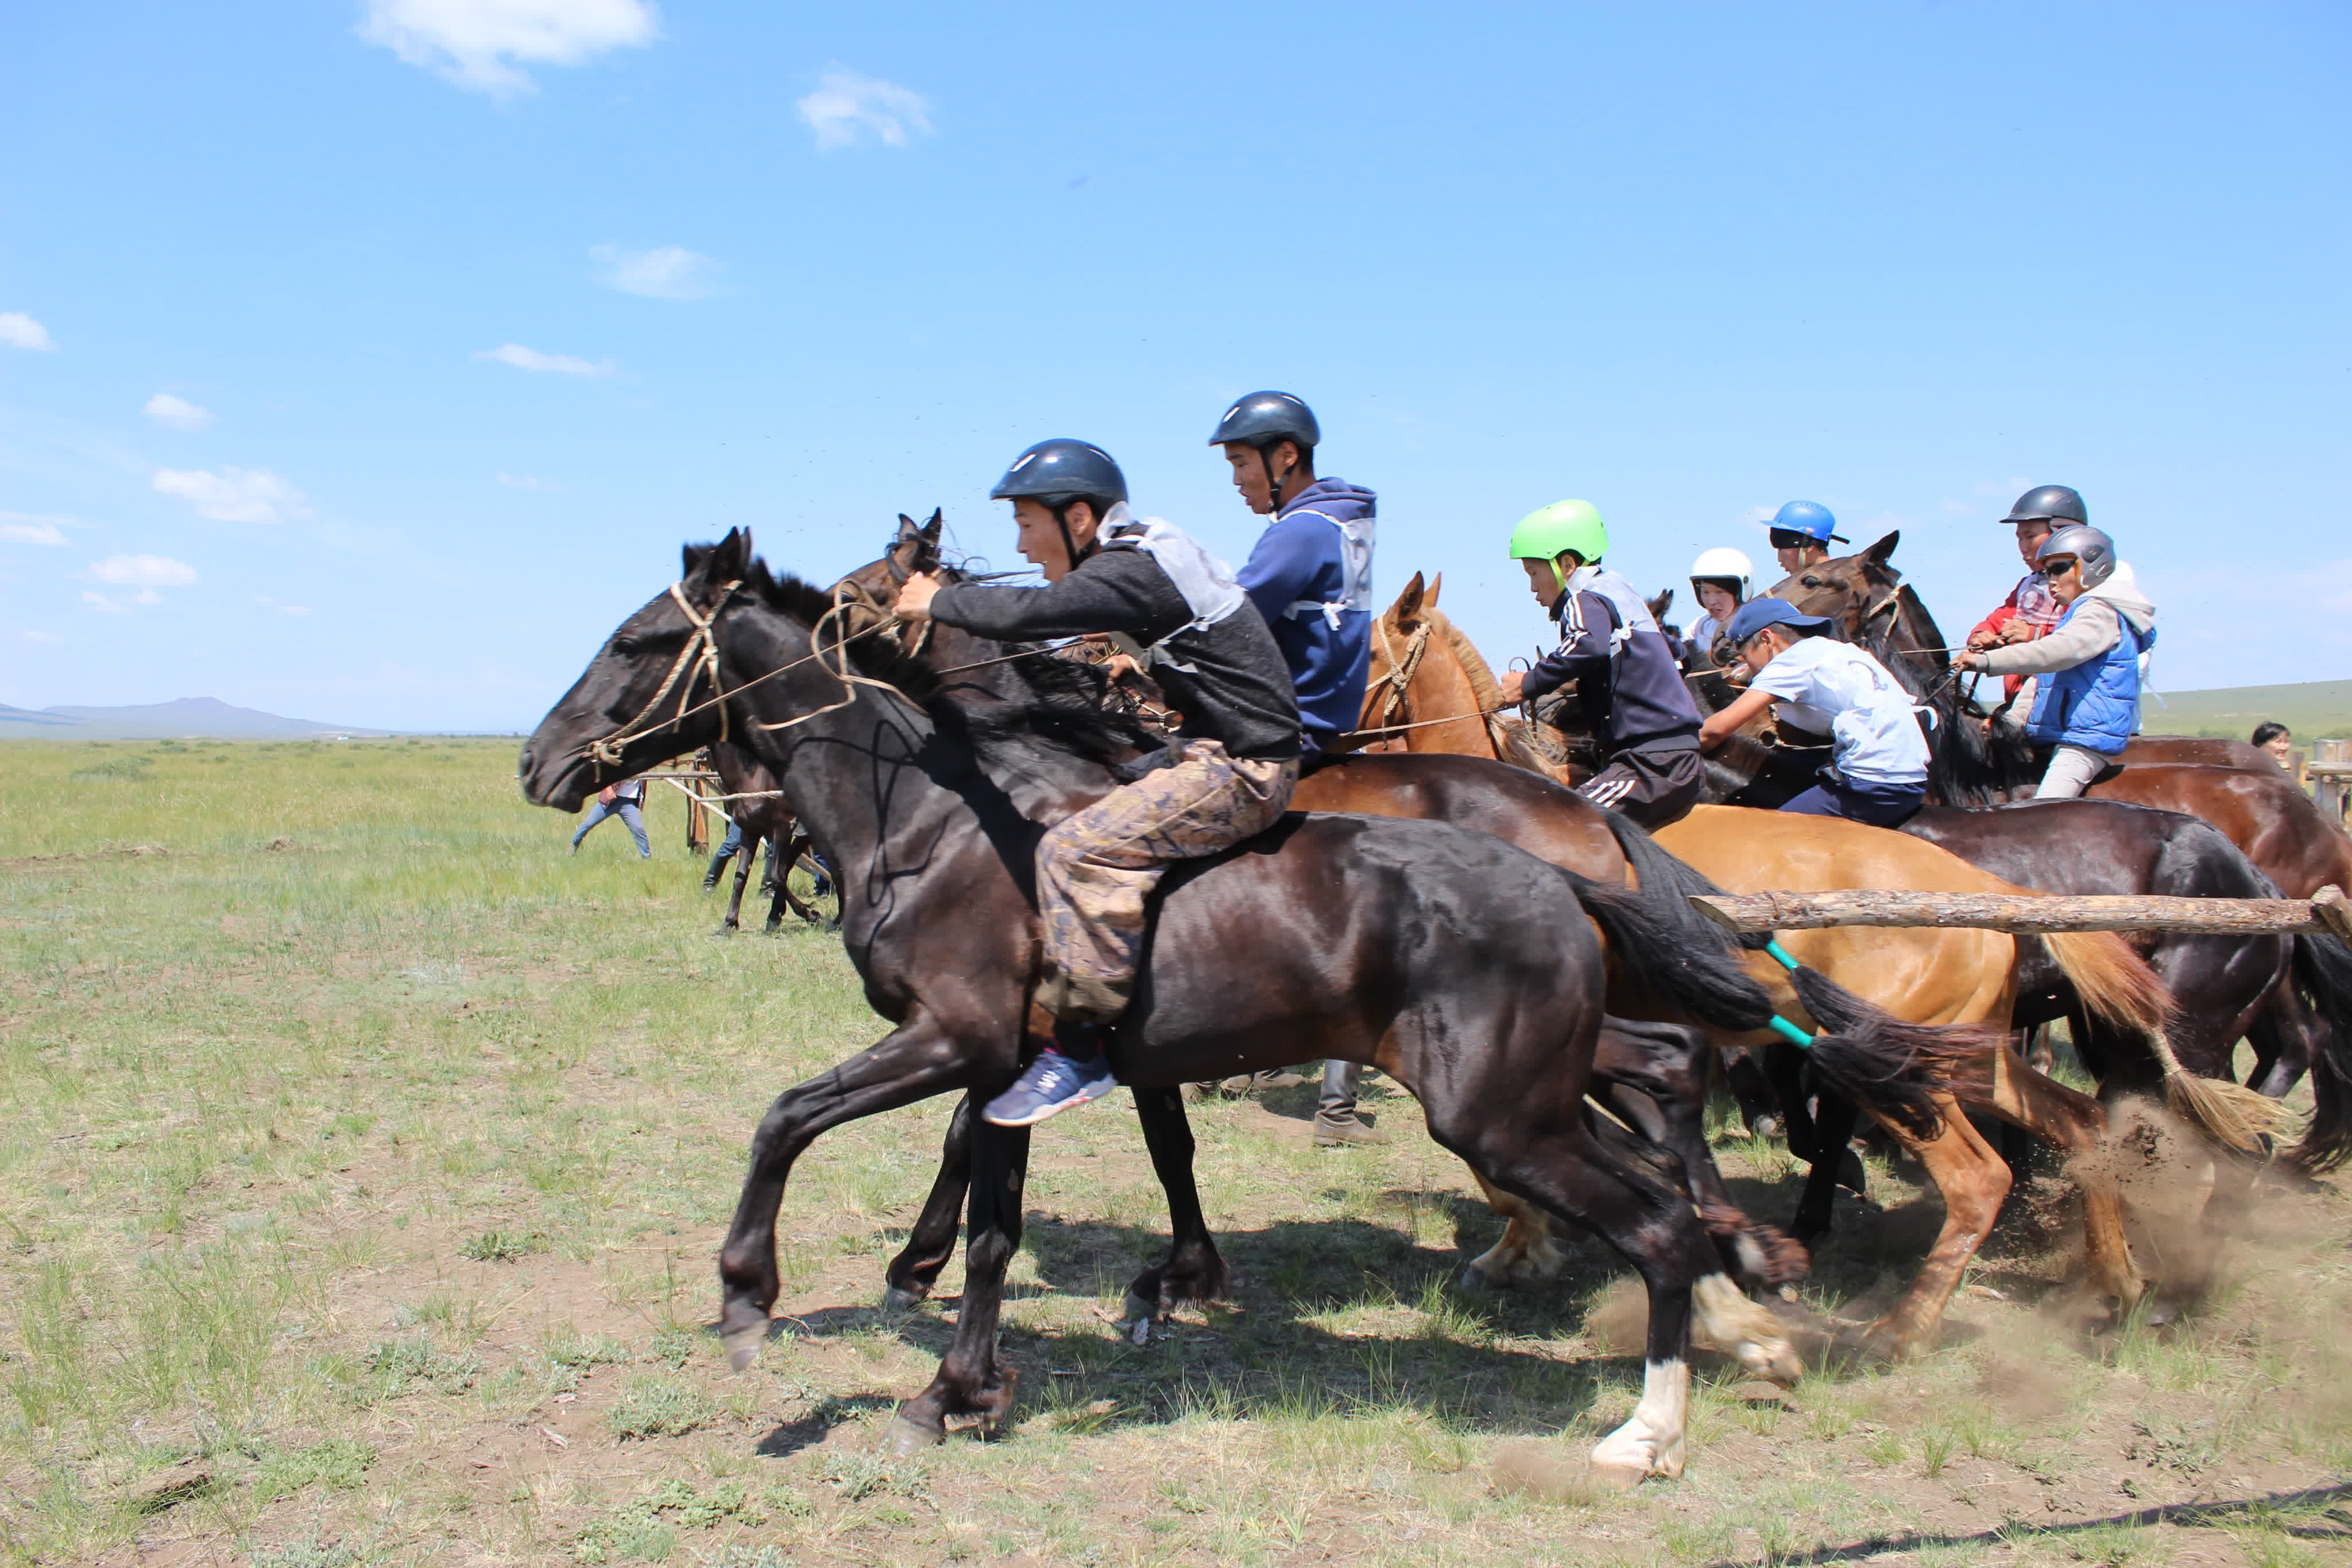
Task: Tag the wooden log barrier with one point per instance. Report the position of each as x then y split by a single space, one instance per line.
2328 912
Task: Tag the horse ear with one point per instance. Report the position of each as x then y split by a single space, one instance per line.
907 529
1429 600
1661 604
1408 606
1877 554
726 561
931 529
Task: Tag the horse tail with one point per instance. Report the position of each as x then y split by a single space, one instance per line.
2322 971
2116 985
1874 1059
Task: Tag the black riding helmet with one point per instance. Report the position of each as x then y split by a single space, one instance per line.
1264 420
1060 472
2056 505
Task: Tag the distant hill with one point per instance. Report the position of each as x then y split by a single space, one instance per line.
201 718
2313 709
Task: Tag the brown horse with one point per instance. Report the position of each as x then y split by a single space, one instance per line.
758 807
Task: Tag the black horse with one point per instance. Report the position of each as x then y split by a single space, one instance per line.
1463 968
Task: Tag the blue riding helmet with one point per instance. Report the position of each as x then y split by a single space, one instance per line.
1758 613
1062 471
1810 518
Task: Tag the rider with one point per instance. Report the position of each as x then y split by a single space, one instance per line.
1878 773
1627 677
1177 608
2030 610
2088 667
1310 576
1718 579
1802 532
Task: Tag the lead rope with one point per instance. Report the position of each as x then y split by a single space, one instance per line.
850 680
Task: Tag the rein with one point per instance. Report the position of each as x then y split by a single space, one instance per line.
1394 685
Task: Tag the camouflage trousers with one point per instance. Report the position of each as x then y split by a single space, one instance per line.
1096 868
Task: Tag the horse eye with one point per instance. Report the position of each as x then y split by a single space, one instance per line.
624 646
1811 581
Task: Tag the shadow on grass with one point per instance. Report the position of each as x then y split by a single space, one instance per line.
2236 1511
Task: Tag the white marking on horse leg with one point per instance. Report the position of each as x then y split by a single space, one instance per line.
1650 1443
1722 1319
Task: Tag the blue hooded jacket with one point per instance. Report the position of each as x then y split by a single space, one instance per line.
1301 559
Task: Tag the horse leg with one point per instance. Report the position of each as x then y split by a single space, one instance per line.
1759 1107
744 859
1194 1271
1835 1119
917 1060
2078 1125
1973 1180
783 861
2284 1037
1654 1077
932 1241
970 1388
1528 1249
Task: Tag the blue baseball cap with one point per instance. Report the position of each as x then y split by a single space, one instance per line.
1758 613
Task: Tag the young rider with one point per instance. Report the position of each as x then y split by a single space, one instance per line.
2031 608
1878 772
2088 667
1801 533
1718 579
1179 609
1626 675
1310 576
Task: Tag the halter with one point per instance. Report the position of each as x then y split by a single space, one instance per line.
701 653
1401 672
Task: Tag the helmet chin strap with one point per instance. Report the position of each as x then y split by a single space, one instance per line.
1069 546
1273 484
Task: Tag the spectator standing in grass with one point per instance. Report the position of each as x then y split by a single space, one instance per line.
2278 740
626 801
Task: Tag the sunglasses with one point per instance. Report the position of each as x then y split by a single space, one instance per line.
2059 568
1782 539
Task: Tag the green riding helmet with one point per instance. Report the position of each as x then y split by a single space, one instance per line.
1543 533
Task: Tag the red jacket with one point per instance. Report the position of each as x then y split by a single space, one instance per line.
2031 603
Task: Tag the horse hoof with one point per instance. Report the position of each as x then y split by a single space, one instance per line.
1851 1174
721 934
908 1439
1135 1309
1475 1283
743 1344
1617 1478
899 1299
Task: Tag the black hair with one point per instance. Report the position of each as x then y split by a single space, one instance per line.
2270 731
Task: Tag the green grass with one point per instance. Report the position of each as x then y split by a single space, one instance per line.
364 1158
2313 709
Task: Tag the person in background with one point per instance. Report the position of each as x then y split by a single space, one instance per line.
1627 679
1720 580
626 801
1878 772
2088 667
1310 576
2031 610
1802 534
2278 740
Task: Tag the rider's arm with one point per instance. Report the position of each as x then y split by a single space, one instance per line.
1586 620
1112 590
1282 568
2090 631
1723 721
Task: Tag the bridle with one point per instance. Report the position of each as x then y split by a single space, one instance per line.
1392 688
700 656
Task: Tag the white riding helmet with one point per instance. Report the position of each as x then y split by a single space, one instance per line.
1722 564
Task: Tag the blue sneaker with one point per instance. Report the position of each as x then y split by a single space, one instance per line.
1049 1086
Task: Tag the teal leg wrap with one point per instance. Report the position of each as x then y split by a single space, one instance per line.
1788 1031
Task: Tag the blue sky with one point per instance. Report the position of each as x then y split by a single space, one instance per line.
367 359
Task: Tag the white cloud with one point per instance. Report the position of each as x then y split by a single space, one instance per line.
524 359
19 331
527 482
40 637
280 607
101 602
846 106
176 412
234 495
146 596
665 272
478 44
23 528
143 571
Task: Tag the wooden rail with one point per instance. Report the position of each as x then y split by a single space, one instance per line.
2326 912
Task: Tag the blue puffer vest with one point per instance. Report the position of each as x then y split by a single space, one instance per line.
2095 704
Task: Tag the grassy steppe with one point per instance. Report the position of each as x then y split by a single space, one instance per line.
364 1156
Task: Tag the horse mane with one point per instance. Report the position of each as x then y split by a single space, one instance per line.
1475 668
1058 706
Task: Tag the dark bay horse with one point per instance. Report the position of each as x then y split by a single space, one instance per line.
1465 968
759 810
